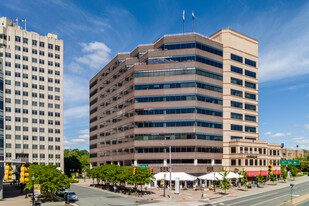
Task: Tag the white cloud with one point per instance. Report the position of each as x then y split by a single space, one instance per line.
279 134
84 131
76 112
307 126
287 55
75 89
75 68
97 54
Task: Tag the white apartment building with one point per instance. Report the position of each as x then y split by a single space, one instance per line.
32 67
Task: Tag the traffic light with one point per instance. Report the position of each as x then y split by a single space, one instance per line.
151 170
270 169
134 170
24 174
8 172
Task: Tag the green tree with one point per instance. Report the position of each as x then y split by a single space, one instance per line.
50 179
293 171
284 175
224 182
71 164
273 177
260 178
80 164
244 178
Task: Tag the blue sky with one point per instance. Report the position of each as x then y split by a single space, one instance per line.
94 31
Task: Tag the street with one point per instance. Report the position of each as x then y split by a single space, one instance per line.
267 198
93 197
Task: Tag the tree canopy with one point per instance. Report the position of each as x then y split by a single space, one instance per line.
50 179
75 161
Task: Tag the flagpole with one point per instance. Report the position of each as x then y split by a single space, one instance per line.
17 21
192 21
25 24
183 18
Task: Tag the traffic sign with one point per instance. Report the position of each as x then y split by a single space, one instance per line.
143 166
289 162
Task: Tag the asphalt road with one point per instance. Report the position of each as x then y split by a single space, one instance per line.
94 197
268 198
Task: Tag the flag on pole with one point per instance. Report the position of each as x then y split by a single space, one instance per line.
16 19
25 22
183 15
193 14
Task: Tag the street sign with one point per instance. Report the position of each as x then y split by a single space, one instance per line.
143 166
289 162
37 189
291 185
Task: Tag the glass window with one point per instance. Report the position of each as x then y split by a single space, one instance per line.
236 127
236 58
236 93
250 74
236 81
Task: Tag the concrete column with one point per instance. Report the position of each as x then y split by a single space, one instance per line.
212 162
195 161
1 189
164 162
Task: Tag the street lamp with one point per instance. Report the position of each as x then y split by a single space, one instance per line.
170 148
33 190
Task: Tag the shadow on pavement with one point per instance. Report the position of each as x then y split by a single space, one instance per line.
11 191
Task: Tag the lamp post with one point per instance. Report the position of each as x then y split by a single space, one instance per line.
170 148
32 190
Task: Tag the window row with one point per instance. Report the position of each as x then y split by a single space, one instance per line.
190 97
26 146
178 111
175 149
173 136
34 129
174 85
189 58
240 117
238 93
183 123
189 45
240 83
35 43
240 71
34 103
235 127
240 59
34 138
175 72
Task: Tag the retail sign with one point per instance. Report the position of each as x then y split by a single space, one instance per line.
143 166
289 162
37 189
251 156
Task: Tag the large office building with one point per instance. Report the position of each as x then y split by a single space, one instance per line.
31 96
195 94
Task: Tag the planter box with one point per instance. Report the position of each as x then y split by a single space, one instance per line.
53 203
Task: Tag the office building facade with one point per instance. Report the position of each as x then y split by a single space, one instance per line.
180 91
32 67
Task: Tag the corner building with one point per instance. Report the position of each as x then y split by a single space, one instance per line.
32 66
176 92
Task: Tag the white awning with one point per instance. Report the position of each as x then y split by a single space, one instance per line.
181 175
219 175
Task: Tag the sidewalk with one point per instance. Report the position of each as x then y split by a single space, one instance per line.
269 187
13 197
192 197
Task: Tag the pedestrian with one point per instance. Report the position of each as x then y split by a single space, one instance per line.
115 188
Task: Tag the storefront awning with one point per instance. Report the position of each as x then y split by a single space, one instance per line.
264 173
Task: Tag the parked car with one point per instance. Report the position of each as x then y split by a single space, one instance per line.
62 192
70 196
